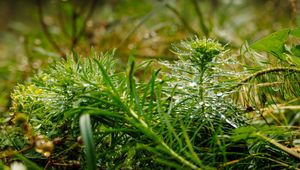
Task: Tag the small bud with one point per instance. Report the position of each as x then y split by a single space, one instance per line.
43 146
79 140
57 141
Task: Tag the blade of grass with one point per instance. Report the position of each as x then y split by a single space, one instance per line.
87 136
280 163
194 155
165 116
140 123
29 164
132 85
152 84
169 163
278 145
107 78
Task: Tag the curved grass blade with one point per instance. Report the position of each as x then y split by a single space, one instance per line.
87 136
29 164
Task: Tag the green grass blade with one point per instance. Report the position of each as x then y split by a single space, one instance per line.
87 136
189 144
152 84
106 77
29 164
278 145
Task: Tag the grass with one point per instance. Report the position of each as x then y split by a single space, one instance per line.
207 106
182 116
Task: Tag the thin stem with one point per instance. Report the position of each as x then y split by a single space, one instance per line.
74 22
139 24
266 71
236 161
82 30
46 30
280 163
278 145
61 21
184 22
12 153
293 12
201 80
201 18
149 132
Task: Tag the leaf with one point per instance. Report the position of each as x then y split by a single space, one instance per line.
75 55
296 54
243 133
295 32
273 43
87 136
296 50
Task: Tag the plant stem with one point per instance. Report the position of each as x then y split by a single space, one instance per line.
82 30
266 71
154 136
201 18
184 22
278 145
46 30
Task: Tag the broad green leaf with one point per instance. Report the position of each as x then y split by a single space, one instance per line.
295 32
273 43
296 50
87 136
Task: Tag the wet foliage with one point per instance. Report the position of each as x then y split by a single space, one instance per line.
140 85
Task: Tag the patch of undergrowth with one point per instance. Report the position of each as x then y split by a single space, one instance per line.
86 113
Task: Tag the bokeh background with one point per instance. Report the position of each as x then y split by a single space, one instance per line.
33 33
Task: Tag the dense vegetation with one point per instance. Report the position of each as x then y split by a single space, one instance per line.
155 97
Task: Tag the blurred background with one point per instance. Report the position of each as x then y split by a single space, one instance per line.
35 32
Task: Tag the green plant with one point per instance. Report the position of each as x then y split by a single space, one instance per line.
181 116
271 95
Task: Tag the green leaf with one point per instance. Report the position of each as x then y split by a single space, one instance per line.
75 55
273 43
296 50
295 32
87 136
296 54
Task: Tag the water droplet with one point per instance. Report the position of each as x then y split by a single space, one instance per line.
219 94
86 85
206 104
180 87
192 84
192 116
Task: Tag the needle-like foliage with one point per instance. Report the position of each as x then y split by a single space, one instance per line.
181 116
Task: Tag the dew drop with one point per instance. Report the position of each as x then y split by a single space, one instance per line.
192 84
219 94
